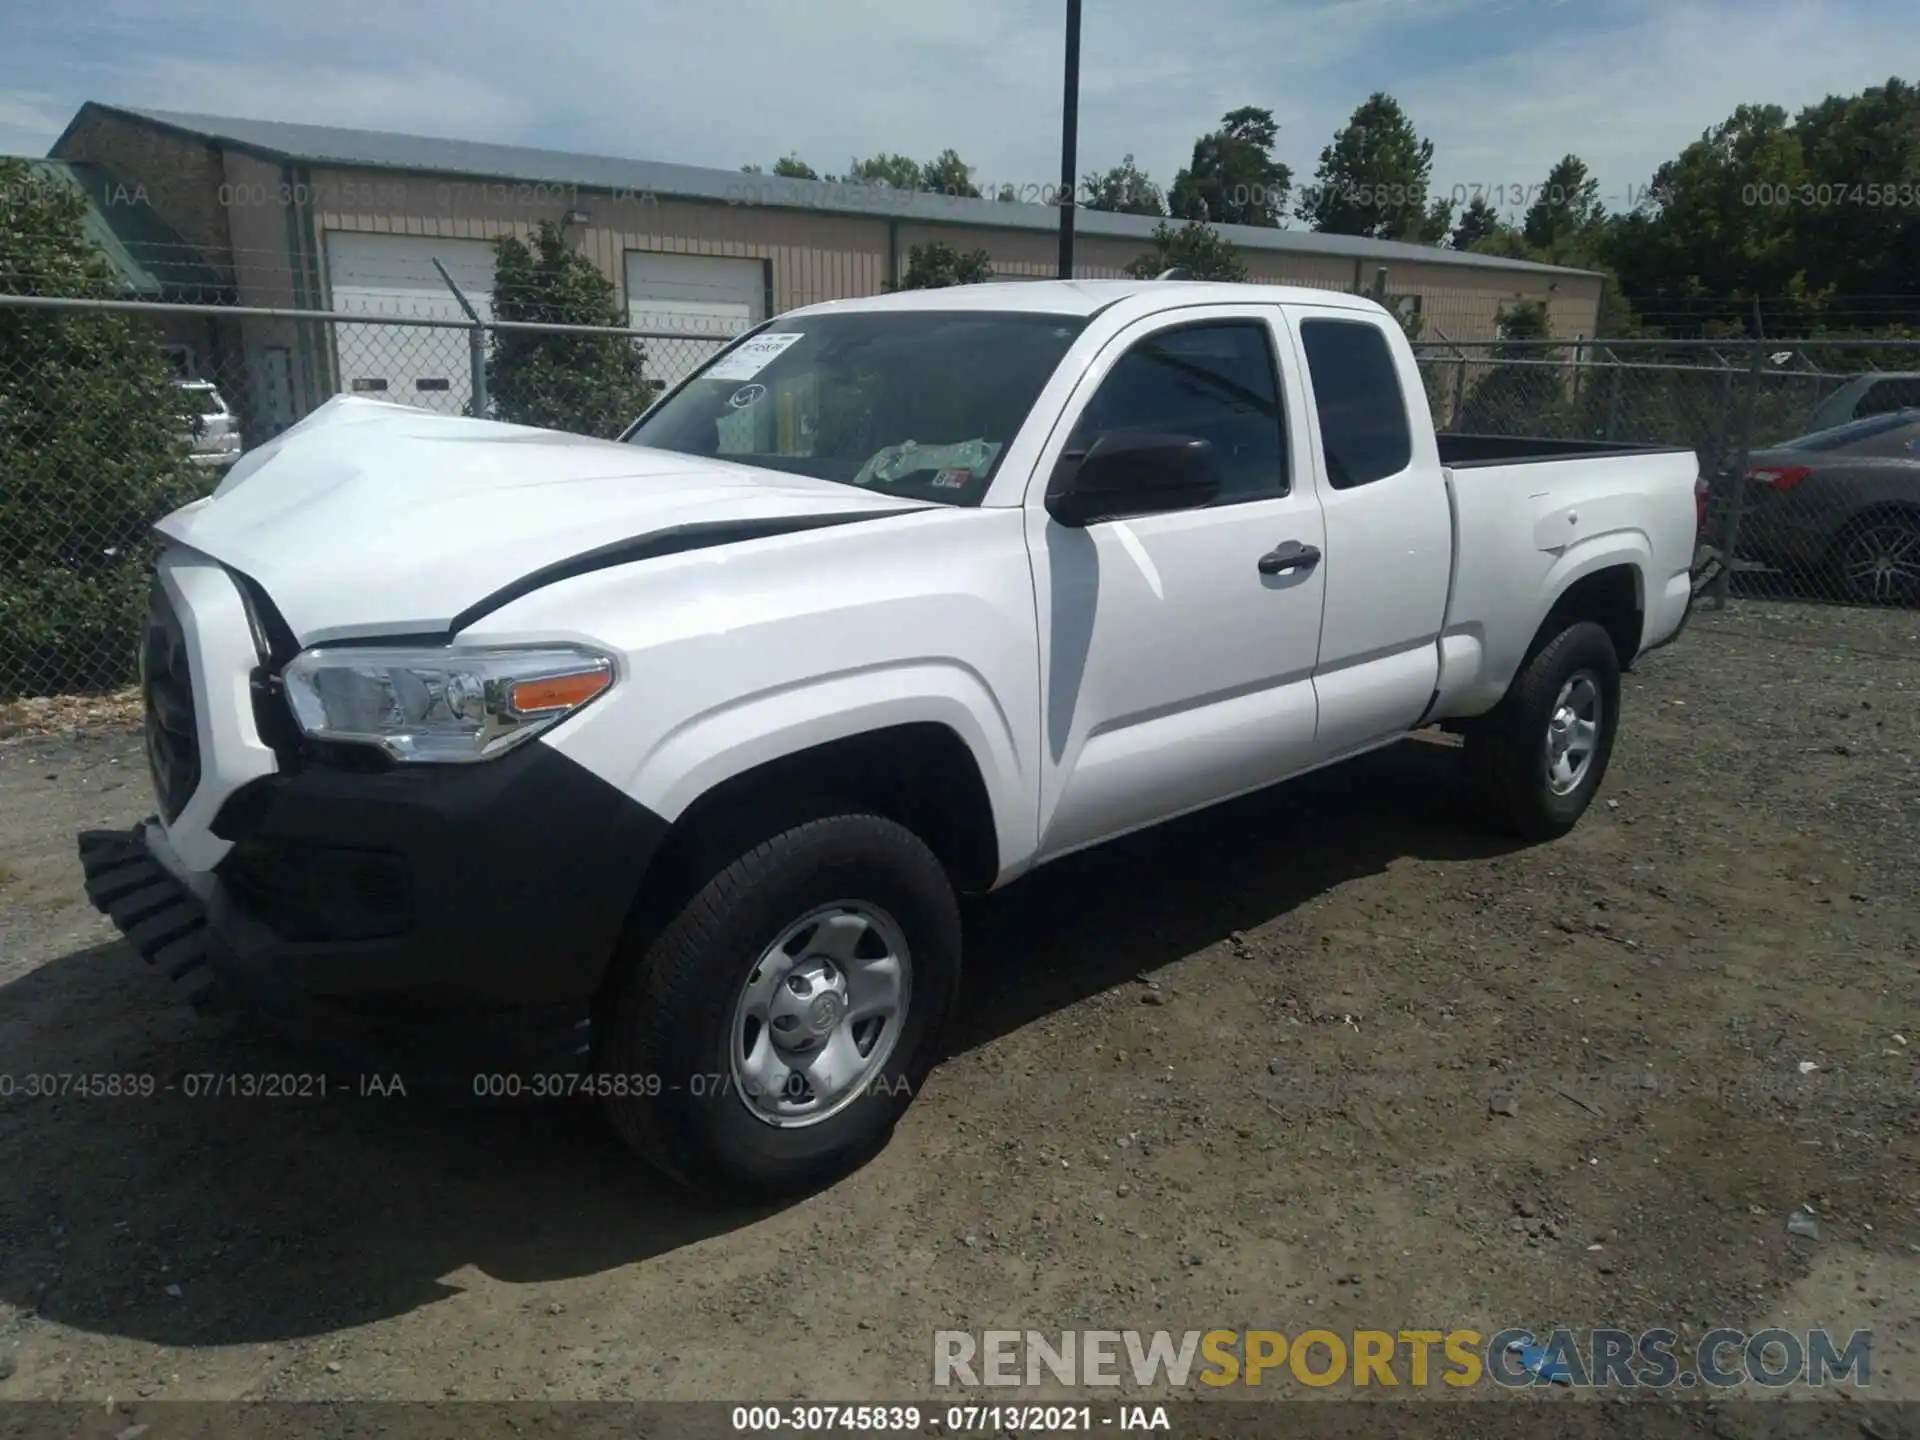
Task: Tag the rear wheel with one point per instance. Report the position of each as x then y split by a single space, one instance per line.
1538 758
1877 561
769 1038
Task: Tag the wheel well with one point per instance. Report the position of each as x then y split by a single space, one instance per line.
920 775
1611 599
1879 510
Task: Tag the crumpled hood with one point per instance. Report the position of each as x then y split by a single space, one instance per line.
370 517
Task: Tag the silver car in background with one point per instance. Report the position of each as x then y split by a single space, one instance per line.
1839 510
215 429
1880 393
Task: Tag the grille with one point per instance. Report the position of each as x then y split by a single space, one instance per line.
173 737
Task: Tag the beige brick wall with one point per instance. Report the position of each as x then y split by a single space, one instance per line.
821 256
181 177
814 256
1463 304
257 220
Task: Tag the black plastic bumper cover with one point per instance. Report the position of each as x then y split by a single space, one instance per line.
162 919
514 880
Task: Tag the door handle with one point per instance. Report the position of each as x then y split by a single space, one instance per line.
1290 556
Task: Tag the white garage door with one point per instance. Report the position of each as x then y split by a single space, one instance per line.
394 275
691 295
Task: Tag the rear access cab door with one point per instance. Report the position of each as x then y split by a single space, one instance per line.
1389 525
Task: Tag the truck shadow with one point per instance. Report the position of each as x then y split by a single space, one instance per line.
1091 921
196 1221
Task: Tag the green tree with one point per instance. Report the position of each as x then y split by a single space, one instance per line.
948 174
1233 178
93 450
1195 247
1125 190
937 264
1523 325
896 172
789 166
1519 396
588 384
1568 209
1699 243
1404 309
1478 221
1375 178
945 174
1860 235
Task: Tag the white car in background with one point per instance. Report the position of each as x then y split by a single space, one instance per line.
215 434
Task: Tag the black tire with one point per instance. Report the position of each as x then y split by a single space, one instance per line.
1889 537
667 1022
1507 751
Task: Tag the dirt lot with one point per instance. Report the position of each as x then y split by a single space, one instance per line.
1253 1070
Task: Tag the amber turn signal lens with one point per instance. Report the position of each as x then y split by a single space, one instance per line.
559 692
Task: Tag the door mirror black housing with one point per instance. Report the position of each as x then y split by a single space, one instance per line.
1134 472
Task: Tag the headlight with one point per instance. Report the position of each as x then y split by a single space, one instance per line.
440 705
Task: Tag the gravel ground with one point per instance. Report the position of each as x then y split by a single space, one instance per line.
1326 1057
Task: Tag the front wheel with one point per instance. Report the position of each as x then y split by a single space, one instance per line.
1538 758
769 1038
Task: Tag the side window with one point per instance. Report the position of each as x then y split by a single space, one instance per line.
1885 396
1356 389
1215 381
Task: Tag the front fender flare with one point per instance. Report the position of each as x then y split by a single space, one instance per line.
719 744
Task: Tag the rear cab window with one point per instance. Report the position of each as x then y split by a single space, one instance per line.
1361 408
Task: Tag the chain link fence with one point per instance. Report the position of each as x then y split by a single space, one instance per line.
112 413
1809 450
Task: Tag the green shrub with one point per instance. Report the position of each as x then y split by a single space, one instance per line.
587 384
1195 247
93 450
936 265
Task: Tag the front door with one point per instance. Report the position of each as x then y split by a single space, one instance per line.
1177 668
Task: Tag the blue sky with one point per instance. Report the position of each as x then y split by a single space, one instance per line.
1502 87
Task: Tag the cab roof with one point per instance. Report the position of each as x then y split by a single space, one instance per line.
1083 297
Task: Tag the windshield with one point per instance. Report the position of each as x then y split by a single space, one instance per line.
920 404
1854 431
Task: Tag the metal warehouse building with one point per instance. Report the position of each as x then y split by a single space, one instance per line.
319 218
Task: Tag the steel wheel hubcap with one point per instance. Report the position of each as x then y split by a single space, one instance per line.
819 1014
1883 563
1573 732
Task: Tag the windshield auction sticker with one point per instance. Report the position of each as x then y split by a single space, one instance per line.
753 356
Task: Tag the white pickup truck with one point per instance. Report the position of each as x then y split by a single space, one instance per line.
699 732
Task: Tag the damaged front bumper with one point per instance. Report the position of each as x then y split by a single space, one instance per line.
160 914
165 918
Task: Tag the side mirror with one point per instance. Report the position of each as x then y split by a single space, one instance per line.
1134 472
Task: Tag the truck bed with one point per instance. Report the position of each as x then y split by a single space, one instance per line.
1462 452
1525 513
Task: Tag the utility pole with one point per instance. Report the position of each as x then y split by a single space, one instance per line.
1069 135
